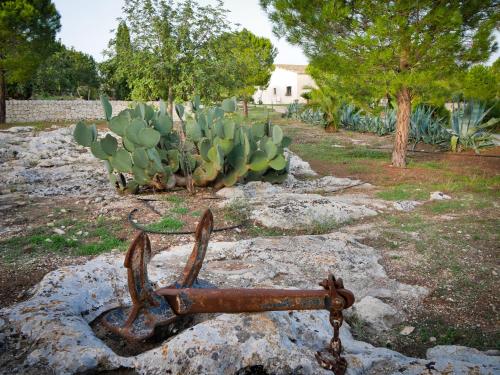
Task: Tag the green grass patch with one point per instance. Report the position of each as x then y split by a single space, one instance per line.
237 211
180 210
403 192
196 213
428 165
407 223
325 151
258 231
440 207
455 183
174 199
80 238
450 335
167 224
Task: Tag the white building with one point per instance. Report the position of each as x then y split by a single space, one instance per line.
286 85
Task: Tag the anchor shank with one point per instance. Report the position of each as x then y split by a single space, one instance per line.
190 300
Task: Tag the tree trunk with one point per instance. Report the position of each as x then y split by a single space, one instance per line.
3 94
171 103
245 107
402 128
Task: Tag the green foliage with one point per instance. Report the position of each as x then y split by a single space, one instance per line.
67 73
293 110
249 61
150 154
231 151
324 100
352 119
468 127
482 83
114 71
427 128
313 116
173 49
27 34
402 49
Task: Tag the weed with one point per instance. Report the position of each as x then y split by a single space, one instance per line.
175 199
180 210
100 239
195 213
236 211
167 223
439 207
258 231
403 192
326 152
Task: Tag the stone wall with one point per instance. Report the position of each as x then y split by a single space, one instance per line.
60 110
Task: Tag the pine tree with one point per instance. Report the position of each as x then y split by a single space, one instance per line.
407 49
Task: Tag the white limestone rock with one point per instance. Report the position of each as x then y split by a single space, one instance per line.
438 196
303 211
49 163
56 319
406 206
379 316
298 167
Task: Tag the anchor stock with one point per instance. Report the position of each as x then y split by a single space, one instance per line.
166 307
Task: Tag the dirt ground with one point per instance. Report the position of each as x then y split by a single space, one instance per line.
450 247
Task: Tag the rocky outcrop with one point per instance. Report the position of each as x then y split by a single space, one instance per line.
48 163
56 319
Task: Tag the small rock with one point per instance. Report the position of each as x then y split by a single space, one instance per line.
27 249
59 231
439 196
432 339
48 240
407 330
378 315
50 224
406 206
79 233
62 210
98 199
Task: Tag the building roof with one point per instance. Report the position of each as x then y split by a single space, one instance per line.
301 69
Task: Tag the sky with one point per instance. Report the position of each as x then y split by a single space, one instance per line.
88 25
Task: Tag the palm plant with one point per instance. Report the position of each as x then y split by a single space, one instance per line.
467 127
324 100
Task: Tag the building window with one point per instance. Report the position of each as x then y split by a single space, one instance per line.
274 91
289 91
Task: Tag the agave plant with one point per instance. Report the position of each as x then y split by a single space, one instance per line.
350 117
293 110
386 124
425 127
313 116
468 129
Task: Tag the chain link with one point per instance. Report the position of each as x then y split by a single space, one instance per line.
333 360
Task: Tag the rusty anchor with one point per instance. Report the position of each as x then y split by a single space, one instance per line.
166 307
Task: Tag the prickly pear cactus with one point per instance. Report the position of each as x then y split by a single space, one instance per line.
231 151
145 150
144 147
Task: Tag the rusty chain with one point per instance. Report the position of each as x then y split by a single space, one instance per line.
336 362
